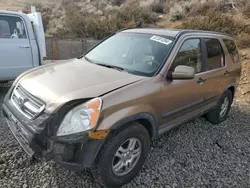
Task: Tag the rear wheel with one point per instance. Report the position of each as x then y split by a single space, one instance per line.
220 113
122 156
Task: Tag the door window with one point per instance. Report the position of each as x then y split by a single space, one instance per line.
189 55
12 27
232 49
4 29
215 54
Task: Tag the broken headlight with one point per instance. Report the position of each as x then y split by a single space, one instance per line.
81 118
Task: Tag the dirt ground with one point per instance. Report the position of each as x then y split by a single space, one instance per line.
243 93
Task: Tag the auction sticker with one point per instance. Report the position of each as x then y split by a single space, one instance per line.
161 40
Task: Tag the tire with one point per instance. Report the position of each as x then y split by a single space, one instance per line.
103 170
216 116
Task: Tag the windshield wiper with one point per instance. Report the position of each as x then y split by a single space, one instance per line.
89 60
111 66
104 65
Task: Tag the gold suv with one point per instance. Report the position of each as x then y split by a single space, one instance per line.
101 110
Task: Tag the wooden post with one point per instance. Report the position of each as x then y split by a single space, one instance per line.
54 49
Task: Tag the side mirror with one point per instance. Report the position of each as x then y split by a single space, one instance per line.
182 72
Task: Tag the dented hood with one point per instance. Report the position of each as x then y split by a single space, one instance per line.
74 79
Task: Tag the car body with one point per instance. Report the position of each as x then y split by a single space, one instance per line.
189 73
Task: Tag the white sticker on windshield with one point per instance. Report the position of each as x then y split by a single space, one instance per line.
161 39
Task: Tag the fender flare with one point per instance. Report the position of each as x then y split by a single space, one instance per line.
153 126
231 85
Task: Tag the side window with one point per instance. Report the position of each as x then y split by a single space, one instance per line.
12 27
231 47
215 54
189 55
4 29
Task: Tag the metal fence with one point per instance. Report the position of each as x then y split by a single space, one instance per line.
66 48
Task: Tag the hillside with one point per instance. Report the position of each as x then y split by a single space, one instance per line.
243 93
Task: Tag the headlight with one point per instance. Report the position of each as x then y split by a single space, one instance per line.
81 118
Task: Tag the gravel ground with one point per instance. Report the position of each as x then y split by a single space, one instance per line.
197 154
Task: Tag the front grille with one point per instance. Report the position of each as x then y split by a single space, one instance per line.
27 104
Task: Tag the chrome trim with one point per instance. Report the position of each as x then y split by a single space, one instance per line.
27 104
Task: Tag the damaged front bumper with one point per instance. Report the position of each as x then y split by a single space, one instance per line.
20 134
75 153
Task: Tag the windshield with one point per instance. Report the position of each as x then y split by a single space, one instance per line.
140 54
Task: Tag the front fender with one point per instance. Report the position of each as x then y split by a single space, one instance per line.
139 116
121 117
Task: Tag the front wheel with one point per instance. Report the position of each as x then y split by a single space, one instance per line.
122 156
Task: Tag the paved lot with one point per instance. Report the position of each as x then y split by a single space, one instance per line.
197 154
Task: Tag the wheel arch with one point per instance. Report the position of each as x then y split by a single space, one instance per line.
146 119
232 89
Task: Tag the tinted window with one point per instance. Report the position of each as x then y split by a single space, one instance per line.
231 47
12 27
214 54
189 55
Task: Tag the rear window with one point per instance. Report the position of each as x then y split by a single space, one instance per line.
4 29
232 49
215 54
12 27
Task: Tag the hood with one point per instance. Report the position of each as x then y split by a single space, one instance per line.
74 79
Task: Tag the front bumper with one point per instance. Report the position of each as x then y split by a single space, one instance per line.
21 135
73 153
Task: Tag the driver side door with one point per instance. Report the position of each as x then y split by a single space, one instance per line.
15 48
182 99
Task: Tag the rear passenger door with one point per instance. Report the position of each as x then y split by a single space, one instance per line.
215 73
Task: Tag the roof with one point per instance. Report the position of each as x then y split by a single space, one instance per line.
169 32
155 31
11 12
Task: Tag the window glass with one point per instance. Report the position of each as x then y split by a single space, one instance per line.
4 29
140 54
12 27
231 47
189 55
214 54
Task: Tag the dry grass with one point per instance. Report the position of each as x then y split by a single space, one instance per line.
216 21
98 19
243 40
129 14
243 92
246 11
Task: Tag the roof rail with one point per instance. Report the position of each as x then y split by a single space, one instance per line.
201 31
138 25
123 29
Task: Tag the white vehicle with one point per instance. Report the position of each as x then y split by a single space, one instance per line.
22 43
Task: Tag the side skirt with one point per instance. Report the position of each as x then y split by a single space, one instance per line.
168 128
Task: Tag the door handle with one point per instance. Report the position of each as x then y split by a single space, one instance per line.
226 73
201 80
24 46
